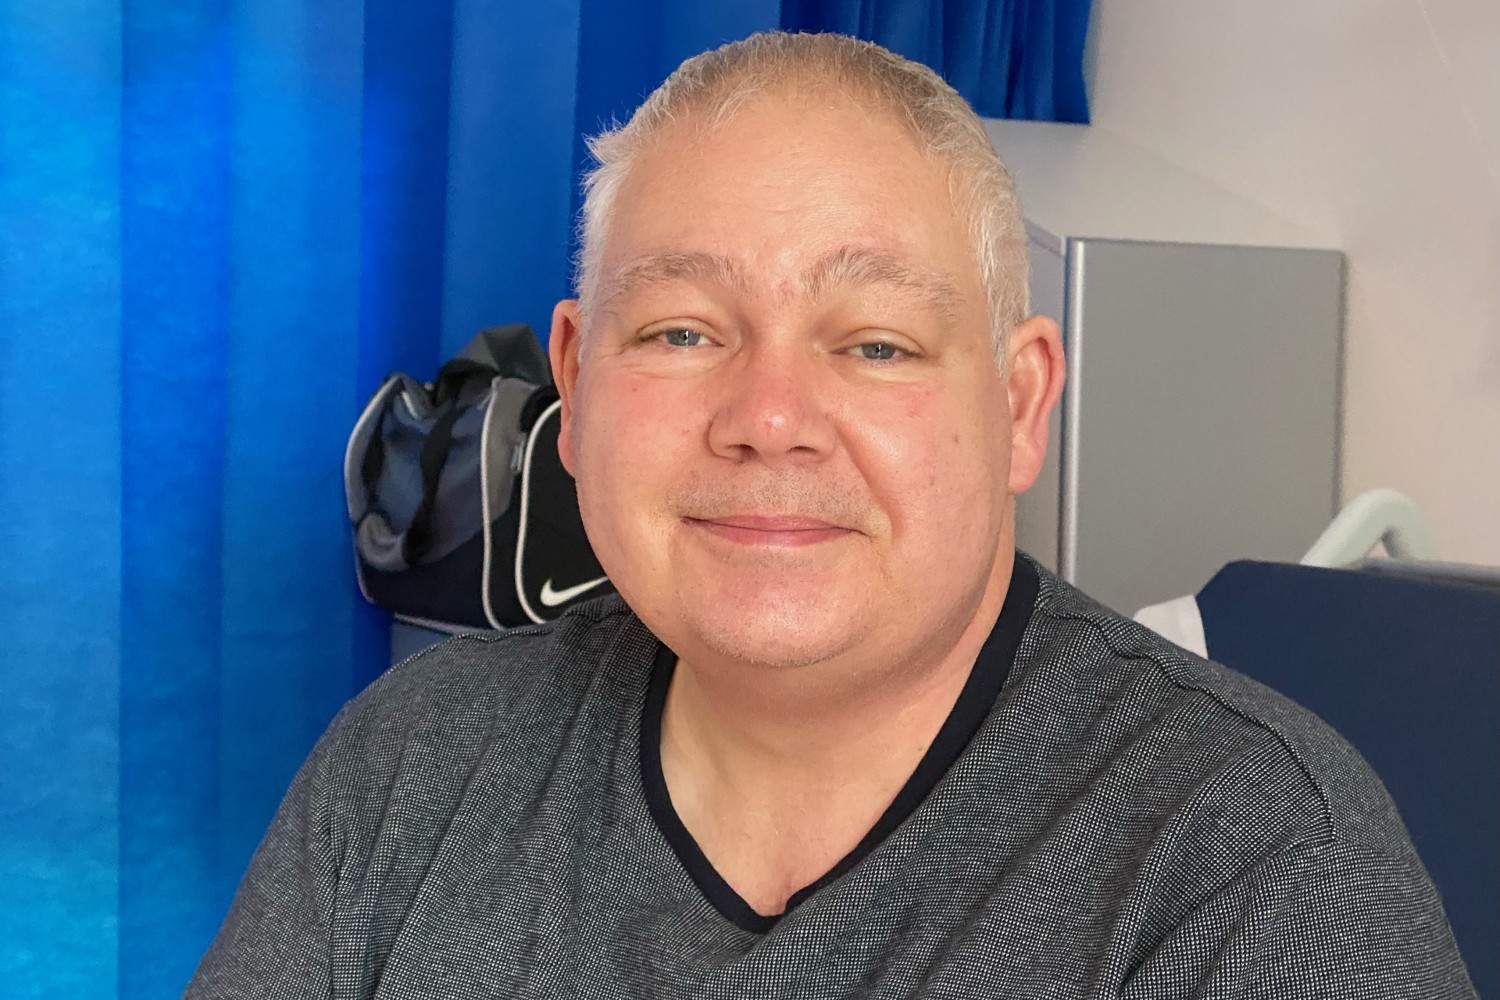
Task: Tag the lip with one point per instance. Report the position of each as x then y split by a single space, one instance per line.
776 530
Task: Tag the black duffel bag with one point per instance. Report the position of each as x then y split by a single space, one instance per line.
463 513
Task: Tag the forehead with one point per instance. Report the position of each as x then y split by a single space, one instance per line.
788 189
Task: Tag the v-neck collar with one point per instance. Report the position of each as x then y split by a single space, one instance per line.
986 678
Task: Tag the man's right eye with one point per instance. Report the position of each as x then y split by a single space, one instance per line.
680 338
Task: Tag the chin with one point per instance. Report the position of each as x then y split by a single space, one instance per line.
782 652
782 634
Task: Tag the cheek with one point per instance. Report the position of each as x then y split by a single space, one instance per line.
937 457
627 430
905 444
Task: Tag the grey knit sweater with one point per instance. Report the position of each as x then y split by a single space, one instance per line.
1104 815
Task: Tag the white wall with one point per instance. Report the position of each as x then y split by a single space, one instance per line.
1375 125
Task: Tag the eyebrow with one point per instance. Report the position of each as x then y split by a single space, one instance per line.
854 267
664 268
846 267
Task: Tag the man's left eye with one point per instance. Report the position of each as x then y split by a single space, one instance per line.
879 351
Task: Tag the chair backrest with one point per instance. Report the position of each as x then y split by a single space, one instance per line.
1408 671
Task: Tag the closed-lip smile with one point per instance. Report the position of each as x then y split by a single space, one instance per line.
778 530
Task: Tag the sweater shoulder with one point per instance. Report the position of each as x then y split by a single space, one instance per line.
1259 745
519 692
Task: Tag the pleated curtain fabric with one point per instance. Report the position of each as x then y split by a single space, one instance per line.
1010 58
222 222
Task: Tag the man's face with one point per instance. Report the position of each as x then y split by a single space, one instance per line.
791 440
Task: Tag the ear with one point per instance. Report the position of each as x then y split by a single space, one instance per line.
1035 371
562 348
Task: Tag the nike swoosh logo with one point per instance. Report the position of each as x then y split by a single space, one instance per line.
552 598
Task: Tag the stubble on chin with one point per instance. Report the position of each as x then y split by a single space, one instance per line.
768 639
752 612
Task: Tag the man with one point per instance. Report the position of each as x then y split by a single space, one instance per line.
838 739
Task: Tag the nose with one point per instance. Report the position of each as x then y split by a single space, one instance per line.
773 406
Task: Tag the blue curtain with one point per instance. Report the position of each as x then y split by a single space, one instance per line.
1010 58
221 223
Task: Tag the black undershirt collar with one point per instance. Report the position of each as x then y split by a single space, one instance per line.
974 702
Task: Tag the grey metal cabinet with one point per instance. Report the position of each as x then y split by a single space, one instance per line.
1200 422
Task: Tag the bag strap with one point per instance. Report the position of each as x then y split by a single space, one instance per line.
512 351
434 453
417 539
455 374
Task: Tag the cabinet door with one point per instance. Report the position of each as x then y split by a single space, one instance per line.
1204 412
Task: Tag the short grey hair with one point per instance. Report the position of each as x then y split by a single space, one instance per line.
712 86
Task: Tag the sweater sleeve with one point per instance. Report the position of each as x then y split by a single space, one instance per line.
275 941
1332 920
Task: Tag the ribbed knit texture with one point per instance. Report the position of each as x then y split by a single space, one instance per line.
1129 821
